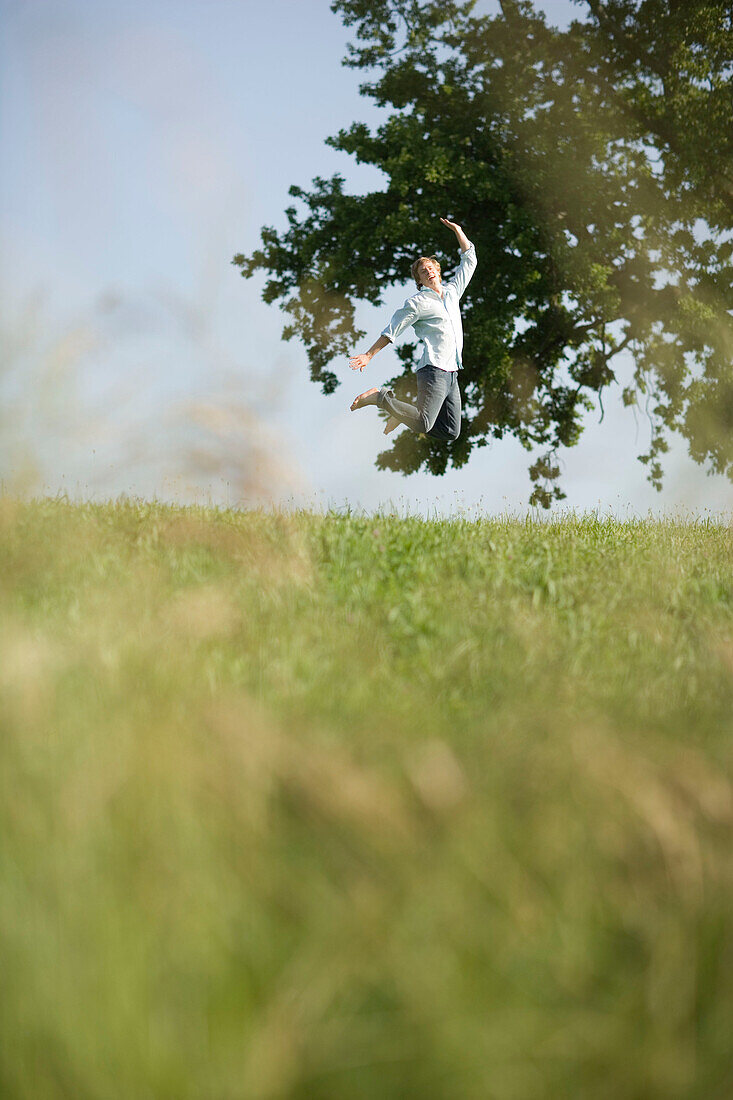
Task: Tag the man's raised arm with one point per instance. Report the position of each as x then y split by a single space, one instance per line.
467 266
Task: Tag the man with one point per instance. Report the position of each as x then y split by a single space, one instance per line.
434 314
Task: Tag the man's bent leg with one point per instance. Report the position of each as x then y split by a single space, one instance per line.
447 425
432 386
400 410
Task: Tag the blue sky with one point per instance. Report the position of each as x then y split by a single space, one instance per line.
144 144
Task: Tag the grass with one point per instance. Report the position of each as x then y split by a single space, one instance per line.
324 806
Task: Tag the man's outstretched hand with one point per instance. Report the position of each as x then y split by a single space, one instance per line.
451 225
463 240
359 362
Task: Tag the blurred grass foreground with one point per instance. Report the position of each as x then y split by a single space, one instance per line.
325 806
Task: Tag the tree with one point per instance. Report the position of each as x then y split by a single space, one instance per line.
592 168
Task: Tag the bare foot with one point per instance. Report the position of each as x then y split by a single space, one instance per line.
369 397
391 424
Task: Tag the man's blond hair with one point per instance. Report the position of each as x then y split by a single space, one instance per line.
418 261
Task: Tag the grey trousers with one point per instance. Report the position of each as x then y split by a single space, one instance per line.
438 412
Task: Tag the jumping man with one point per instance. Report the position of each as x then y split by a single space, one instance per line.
434 314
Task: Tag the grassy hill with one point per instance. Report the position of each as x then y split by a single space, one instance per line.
318 806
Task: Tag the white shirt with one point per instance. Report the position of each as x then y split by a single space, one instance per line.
436 319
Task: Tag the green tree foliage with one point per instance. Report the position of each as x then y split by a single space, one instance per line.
593 169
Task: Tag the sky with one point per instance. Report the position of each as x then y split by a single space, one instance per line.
144 144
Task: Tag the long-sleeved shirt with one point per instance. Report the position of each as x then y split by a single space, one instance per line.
436 319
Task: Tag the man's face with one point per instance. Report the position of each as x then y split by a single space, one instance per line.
429 275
